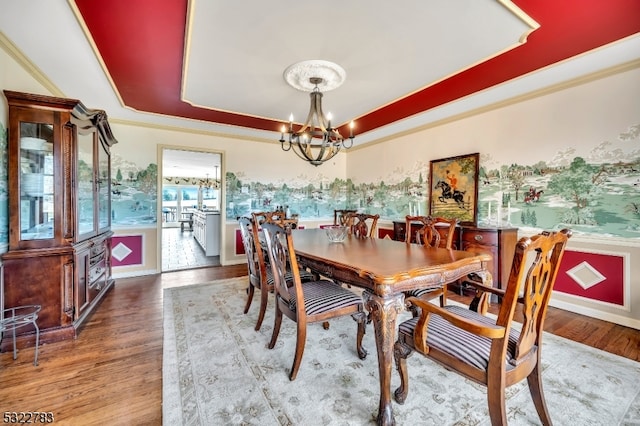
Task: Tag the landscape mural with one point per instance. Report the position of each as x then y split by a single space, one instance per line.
596 194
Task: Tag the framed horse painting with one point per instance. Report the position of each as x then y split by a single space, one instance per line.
453 188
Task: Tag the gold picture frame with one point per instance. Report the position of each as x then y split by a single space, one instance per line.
453 188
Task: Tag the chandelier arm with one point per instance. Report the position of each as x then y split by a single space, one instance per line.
300 151
316 107
284 143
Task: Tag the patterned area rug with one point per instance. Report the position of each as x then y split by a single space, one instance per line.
218 371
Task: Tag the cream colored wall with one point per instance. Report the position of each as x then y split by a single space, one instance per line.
526 132
12 77
573 120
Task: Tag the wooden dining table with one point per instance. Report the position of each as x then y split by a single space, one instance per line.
384 269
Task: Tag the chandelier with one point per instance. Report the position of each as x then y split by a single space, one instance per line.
316 141
207 184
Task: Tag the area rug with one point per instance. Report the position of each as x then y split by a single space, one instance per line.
218 371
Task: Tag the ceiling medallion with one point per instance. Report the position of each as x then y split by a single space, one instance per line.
298 75
316 141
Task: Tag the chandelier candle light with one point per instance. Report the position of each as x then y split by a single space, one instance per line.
316 141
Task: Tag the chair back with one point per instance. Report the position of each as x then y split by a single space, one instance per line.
253 250
279 244
267 217
428 234
533 273
341 217
362 225
278 217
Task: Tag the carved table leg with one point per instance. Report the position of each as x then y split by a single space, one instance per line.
384 312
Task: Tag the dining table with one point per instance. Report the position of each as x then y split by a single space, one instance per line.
385 269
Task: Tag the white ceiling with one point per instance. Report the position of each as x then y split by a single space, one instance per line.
192 164
388 52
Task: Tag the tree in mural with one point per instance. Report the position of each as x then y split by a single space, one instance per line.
515 176
147 181
578 184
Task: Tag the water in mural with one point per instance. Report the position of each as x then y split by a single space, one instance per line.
133 193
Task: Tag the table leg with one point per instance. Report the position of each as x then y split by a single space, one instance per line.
384 312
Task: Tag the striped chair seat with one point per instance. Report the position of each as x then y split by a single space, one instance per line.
324 296
304 276
469 348
422 291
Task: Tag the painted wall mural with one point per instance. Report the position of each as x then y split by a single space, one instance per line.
133 193
598 194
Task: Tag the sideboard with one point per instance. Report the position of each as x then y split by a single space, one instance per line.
499 242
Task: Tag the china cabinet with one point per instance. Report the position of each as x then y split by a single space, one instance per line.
59 190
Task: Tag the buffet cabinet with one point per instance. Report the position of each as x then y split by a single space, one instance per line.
206 231
500 243
59 190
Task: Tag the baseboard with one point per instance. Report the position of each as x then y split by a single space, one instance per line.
136 273
595 313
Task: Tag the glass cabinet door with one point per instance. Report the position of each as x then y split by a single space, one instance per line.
86 179
104 188
37 200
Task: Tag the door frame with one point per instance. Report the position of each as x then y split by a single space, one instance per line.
221 196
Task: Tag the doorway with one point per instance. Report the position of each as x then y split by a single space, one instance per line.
191 196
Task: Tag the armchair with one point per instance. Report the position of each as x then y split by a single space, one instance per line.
489 351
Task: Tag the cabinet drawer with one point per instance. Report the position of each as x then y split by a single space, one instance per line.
488 237
98 249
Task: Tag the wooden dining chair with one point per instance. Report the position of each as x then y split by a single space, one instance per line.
313 301
268 217
429 233
363 225
485 350
260 275
255 267
340 217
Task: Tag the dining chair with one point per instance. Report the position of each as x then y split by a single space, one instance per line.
268 216
260 275
340 217
363 225
429 233
487 350
313 301
277 216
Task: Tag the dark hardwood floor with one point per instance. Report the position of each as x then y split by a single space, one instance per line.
112 373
